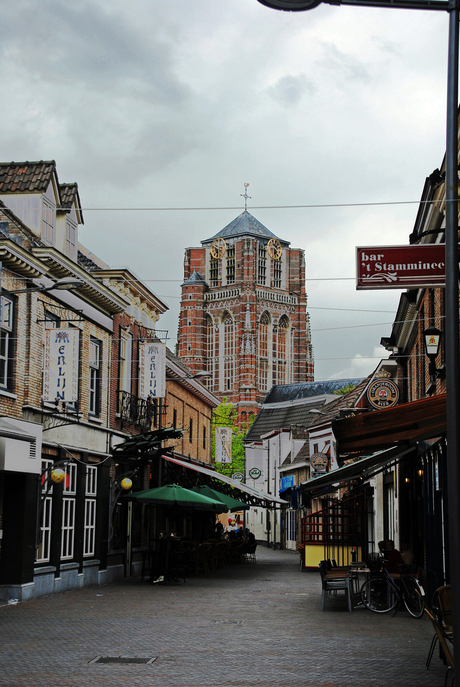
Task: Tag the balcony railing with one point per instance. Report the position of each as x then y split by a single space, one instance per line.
135 410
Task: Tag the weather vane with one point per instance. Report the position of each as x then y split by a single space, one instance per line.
245 195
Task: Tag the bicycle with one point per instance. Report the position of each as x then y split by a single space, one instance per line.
381 594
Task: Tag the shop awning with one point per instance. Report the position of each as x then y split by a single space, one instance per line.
408 423
364 467
254 496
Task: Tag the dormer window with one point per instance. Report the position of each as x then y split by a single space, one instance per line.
70 239
48 216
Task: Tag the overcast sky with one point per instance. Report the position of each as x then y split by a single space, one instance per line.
176 103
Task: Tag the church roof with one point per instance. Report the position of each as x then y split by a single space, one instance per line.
194 278
245 225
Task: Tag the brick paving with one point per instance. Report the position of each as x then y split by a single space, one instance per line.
253 624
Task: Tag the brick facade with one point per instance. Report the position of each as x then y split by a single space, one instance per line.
243 315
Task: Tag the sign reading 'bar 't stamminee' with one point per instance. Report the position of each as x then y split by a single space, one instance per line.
401 267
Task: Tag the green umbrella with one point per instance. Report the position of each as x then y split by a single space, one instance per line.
231 503
175 495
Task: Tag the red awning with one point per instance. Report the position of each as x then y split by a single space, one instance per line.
407 423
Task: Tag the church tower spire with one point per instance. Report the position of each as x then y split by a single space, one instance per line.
243 313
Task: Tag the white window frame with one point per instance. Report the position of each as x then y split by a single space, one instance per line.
44 549
48 222
89 525
68 512
94 376
70 239
89 529
68 528
6 328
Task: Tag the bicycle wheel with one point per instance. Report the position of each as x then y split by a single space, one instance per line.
413 599
378 596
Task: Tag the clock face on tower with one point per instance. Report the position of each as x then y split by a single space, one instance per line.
274 249
218 248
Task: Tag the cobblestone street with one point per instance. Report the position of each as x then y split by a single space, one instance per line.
252 624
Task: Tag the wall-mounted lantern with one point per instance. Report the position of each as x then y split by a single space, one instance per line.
432 339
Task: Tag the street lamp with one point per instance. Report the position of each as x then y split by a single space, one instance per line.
63 284
432 339
451 262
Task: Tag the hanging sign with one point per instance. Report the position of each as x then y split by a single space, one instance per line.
152 375
382 393
61 365
401 267
323 450
224 444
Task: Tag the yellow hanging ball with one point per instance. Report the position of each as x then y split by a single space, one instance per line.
126 483
57 476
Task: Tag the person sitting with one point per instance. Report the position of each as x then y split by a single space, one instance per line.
393 558
407 554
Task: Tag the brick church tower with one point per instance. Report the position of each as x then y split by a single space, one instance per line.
243 314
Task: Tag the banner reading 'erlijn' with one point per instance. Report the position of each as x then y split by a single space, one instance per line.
152 377
61 365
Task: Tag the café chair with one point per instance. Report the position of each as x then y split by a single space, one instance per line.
334 584
444 640
202 558
441 608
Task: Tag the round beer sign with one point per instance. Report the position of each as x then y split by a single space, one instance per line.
382 393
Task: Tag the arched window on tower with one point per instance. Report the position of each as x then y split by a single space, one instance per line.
263 351
281 352
228 352
210 354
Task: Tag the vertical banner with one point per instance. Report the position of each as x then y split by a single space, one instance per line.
224 444
61 365
152 378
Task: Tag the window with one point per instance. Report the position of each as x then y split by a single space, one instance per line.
68 512
214 272
44 544
94 377
262 265
124 370
190 438
70 239
174 418
230 264
6 343
281 352
89 526
276 274
204 437
264 332
229 352
48 213
210 353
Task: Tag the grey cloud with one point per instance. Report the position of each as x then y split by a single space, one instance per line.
343 67
81 44
289 90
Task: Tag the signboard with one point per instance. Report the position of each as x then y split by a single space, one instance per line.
319 462
238 476
287 482
400 267
61 365
254 473
382 393
224 445
323 451
152 373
